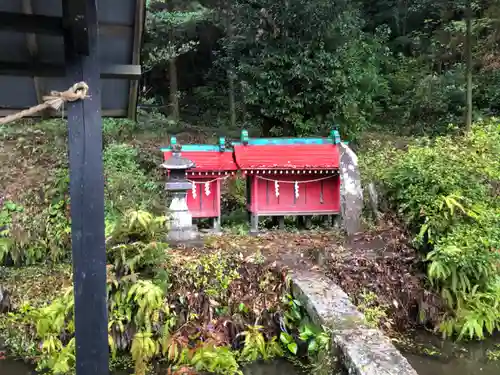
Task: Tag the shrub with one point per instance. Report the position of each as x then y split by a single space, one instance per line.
447 191
115 129
38 233
127 185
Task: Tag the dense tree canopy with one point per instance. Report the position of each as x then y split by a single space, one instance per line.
300 66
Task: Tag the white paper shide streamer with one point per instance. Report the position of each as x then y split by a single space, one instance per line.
193 190
296 188
276 189
206 186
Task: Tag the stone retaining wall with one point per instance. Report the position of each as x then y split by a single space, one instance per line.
361 349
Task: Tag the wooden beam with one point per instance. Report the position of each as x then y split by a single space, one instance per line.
132 72
27 22
75 22
33 51
115 30
23 69
140 8
105 112
31 23
87 198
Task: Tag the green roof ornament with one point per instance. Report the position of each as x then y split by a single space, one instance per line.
222 143
335 136
173 141
244 137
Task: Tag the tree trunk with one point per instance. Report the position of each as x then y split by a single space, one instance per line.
232 105
468 55
230 75
172 72
174 101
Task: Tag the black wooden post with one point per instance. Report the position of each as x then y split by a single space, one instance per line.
87 190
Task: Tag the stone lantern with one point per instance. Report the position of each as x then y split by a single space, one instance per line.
181 229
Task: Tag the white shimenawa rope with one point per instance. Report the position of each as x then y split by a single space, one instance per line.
206 185
295 183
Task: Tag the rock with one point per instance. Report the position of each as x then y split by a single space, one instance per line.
361 349
351 191
5 302
373 199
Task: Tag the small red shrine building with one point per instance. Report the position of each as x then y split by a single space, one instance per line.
213 164
290 176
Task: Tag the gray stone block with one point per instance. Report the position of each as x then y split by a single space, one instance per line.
351 191
361 349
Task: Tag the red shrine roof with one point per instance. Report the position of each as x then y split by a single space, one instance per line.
295 156
208 161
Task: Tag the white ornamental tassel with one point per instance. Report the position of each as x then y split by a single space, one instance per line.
296 189
207 188
193 189
276 189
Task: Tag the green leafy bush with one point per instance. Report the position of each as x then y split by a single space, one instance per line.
7 209
422 99
117 129
33 234
447 192
325 70
127 185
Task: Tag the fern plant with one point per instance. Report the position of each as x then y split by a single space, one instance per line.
144 348
130 258
216 360
59 358
132 245
150 300
255 346
137 225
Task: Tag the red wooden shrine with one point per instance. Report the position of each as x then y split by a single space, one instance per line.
213 164
290 177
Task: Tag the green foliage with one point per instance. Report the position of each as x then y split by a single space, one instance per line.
8 208
127 185
371 309
134 245
317 339
446 190
115 130
297 69
211 274
217 360
170 33
146 325
423 100
298 330
43 235
256 347
143 349
136 225
307 67
6 211
150 320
